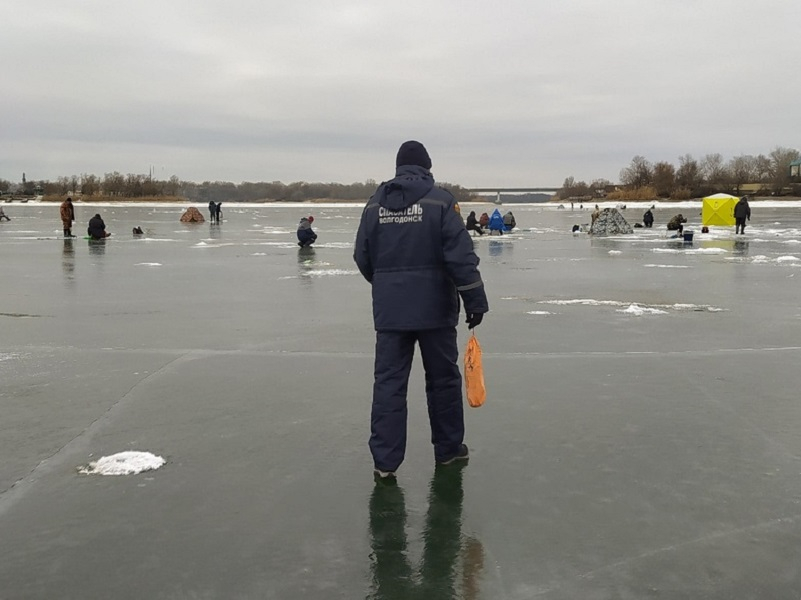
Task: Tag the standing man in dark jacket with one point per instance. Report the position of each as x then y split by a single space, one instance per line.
742 211
412 246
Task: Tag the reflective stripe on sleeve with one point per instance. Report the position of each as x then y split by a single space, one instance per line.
470 286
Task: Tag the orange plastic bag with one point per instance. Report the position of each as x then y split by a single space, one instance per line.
474 373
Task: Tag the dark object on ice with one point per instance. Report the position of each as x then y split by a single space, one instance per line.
704 229
306 235
688 235
648 218
137 231
576 228
610 222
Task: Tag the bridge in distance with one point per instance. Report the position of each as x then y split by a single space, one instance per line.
509 190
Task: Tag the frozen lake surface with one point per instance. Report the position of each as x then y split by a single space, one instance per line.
641 437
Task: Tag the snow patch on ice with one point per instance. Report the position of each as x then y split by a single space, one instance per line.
123 463
322 273
653 266
690 250
147 264
638 311
328 272
789 258
539 312
615 252
629 304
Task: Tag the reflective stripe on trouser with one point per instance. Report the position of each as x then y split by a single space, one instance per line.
394 351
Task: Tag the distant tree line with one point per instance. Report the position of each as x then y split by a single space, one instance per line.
693 178
131 186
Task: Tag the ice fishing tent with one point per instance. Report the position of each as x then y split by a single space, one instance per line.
718 209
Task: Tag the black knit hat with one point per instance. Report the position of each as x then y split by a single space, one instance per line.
413 153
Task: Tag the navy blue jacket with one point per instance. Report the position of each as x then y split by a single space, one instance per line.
412 246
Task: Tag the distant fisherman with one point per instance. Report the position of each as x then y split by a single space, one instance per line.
306 235
742 211
67 216
677 223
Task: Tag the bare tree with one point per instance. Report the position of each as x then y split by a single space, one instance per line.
713 169
780 160
90 185
688 175
664 180
114 184
638 174
172 186
742 170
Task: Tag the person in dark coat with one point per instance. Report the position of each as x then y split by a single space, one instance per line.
677 223
67 211
413 248
97 228
472 223
218 211
306 235
212 211
3 215
742 211
483 220
509 222
648 218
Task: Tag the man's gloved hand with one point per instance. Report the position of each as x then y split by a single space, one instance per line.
474 319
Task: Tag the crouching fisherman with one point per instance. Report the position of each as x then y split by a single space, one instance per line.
97 228
677 223
306 235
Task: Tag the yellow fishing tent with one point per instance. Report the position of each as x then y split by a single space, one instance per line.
718 209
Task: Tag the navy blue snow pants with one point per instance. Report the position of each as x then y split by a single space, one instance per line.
306 237
394 351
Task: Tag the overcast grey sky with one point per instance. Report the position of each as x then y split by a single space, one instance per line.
511 92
